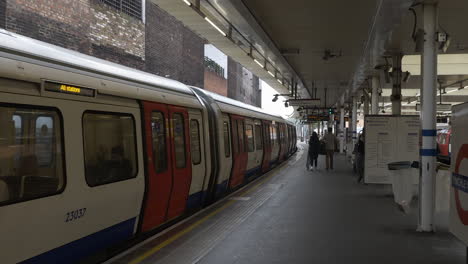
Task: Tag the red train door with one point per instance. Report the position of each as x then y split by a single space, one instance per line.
266 145
181 161
158 164
239 151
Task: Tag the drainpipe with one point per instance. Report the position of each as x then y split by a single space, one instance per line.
354 120
341 135
375 95
396 90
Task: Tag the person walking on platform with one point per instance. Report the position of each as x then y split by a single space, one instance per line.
360 157
314 146
330 144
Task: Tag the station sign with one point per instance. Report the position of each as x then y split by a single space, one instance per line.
318 118
458 224
304 102
439 107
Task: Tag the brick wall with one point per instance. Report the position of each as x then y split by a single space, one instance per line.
2 13
215 83
86 26
66 27
172 50
243 85
109 28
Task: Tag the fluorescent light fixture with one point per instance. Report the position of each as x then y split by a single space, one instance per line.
217 28
187 2
280 81
272 74
259 63
451 91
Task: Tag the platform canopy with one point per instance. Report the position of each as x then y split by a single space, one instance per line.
329 48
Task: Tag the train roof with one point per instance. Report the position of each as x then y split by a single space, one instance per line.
222 99
13 44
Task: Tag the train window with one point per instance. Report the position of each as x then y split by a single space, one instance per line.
227 151
258 137
44 136
195 141
235 137
179 140
250 138
158 131
109 157
24 174
274 134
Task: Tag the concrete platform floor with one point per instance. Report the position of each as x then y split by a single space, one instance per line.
299 216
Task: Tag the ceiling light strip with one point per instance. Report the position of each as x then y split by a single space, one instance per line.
215 26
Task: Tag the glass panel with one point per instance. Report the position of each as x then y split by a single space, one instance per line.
250 138
258 137
227 151
109 157
195 141
31 161
235 138
158 130
44 137
179 140
240 133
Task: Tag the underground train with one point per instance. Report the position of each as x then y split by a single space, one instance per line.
94 154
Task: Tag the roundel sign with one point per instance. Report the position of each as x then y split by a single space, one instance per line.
460 182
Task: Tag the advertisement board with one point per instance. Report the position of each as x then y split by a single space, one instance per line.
459 167
389 139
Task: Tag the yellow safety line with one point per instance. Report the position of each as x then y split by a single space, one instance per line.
199 222
176 236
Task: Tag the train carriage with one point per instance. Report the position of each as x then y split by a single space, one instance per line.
94 154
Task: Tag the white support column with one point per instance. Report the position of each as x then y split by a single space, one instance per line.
342 125
332 122
354 120
375 95
428 119
318 128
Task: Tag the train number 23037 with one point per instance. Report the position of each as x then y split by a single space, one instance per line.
76 214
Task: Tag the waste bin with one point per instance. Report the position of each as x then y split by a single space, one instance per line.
402 183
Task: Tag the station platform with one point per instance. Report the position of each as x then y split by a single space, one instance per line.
291 215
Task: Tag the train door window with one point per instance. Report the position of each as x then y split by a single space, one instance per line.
158 131
235 137
274 134
195 141
258 137
250 138
227 150
44 136
179 140
109 157
24 174
240 133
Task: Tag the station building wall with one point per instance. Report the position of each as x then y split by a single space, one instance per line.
243 85
160 44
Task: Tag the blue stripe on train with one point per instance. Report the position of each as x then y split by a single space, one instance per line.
75 251
195 200
252 172
221 189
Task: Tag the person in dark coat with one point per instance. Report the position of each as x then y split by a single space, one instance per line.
360 146
314 147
